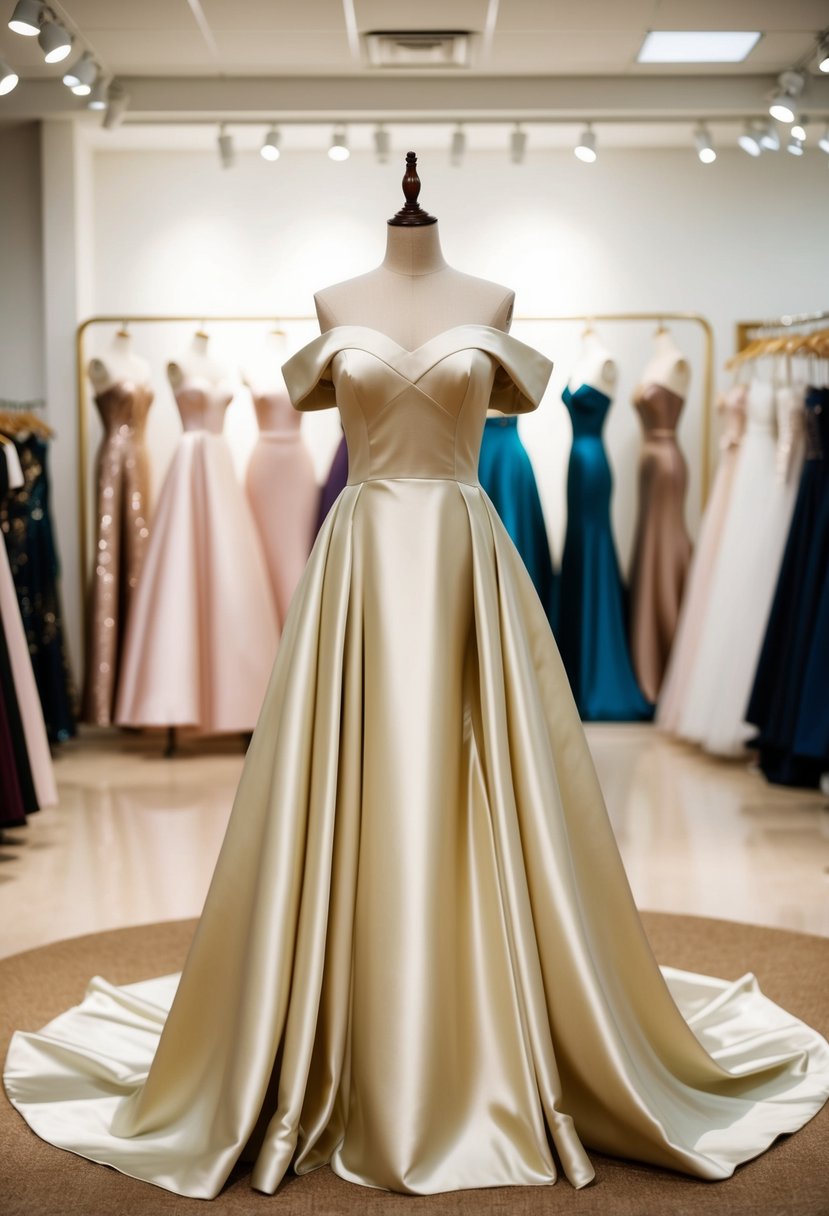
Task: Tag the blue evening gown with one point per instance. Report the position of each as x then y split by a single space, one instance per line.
592 633
506 474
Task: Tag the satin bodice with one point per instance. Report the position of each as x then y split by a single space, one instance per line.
420 413
659 410
588 409
202 405
275 414
124 407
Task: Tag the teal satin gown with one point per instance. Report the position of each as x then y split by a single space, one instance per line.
592 635
506 474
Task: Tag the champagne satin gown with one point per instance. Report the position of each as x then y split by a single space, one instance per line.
419 960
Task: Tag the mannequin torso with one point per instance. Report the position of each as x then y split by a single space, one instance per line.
263 377
667 366
117 365
595 366
196 364
414 295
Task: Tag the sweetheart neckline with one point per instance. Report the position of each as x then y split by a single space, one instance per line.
416 350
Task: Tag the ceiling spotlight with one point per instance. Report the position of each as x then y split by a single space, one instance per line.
8 78
26 18
823 142
457 147
71 76
585 149
270 147
823 52
382 144
783 105
795 146
83 73
751 139
54 41
117 101
799 130
226 153
518 145
339 145
705 148
98 96
770 139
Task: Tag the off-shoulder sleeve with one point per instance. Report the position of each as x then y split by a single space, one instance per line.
308 374
521 377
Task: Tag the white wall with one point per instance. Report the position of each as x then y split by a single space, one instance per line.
21 264
640 230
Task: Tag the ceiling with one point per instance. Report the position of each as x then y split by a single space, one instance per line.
530 59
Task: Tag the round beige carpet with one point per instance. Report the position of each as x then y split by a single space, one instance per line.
792 1179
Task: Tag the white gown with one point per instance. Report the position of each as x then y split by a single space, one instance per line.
419 960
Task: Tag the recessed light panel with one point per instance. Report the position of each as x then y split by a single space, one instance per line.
697 46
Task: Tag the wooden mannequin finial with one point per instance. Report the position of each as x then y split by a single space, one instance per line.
411 214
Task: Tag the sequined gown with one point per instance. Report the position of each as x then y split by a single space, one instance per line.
661 544
283 494
202 632
122 507
26 522
419 961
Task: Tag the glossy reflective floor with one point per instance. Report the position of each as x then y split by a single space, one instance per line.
136 836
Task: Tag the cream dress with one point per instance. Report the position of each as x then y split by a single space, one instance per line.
419 960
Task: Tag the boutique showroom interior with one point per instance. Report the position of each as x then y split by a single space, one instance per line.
414 607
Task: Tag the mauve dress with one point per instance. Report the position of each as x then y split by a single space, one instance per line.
662 547
283 493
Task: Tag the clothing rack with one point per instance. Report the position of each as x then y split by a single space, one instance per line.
746 330
21 406
658 318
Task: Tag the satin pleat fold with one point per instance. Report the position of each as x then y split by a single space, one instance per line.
419 959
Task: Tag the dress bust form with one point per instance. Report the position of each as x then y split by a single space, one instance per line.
595 367
414 294
667 366
263 373
196 363
117 364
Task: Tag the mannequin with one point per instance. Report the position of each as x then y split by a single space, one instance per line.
196 364
117 364
123 396
595 366
667 365
414 294
281 487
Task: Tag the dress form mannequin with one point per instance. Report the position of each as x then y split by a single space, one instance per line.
117 364
595 366
667 365
263 374
196 364
414 294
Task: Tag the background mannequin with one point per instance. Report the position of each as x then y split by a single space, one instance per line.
281 487
667 365
123 396
196 364
595 366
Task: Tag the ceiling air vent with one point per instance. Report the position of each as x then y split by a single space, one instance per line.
418 49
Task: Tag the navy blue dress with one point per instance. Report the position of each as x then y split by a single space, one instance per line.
592 633
506 474
790 699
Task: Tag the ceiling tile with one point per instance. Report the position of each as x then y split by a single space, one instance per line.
264 15
159 15
794 15
145 52
285 54
430 15
586 15
562 54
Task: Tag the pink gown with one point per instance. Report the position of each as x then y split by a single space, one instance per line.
202 632
283 493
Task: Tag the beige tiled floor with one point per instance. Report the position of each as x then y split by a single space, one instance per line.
136 836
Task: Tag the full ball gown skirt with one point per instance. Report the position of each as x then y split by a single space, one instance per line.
202 631
592 631
506 475
661 544
689 627
122 504
789 703
419 959
283 494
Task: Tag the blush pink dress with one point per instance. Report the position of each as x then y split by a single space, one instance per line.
202 632
283 493
732 405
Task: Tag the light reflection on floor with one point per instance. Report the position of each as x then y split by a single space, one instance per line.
135 837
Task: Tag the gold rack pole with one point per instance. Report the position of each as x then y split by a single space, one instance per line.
272 318
796 320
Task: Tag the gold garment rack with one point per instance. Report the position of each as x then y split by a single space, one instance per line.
658 318
747 330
